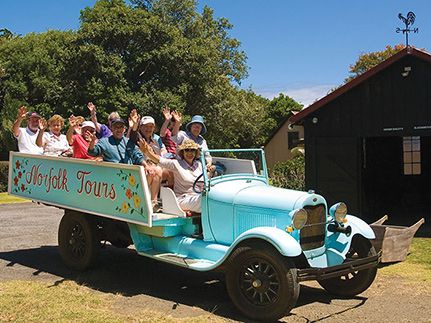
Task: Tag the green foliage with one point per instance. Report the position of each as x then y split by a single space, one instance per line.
7 140
276 111
367 61
4 172
146 56
289 174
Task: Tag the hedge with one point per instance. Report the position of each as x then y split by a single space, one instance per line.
289 174
4 172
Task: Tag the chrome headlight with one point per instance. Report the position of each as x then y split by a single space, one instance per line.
299 218
338 212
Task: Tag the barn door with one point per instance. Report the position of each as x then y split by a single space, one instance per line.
332 170
388 188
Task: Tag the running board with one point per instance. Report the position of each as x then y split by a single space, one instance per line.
179 260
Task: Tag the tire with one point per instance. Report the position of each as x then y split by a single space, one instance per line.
261 283
78 241
357 282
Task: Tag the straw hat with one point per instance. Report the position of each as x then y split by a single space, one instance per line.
189 144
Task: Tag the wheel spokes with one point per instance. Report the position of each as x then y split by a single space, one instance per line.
260 282
77 241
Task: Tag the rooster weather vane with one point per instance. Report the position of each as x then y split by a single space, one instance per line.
410 20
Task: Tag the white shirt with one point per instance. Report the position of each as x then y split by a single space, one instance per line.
184 174
27 142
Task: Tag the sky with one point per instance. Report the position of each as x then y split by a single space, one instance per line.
302 48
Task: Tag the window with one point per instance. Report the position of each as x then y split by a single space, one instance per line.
412 155
292 139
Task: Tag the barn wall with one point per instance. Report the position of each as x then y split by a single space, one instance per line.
386 104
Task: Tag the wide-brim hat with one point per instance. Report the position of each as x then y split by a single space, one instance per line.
197 119
189 144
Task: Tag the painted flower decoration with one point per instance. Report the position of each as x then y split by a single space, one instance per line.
137 201
19 174
132 180
124 207
22 187
17 164
129 193
15 181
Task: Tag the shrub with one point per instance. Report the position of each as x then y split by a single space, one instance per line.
4 172
289 174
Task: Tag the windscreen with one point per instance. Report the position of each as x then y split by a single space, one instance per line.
239 161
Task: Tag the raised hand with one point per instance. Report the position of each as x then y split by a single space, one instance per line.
177 116
43 124
92 137
134 119
91 107
22 112
143 146
87 136
72 121
167 114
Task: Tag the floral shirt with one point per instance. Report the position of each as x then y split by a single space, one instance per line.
54 145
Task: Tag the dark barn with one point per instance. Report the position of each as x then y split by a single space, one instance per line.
369 142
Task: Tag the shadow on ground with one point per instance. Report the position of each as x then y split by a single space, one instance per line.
123 271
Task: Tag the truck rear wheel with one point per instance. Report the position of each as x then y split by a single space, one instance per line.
78 240
261 283
354 283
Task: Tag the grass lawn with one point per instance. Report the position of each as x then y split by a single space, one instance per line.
5 198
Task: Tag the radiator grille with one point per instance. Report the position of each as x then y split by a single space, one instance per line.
313 234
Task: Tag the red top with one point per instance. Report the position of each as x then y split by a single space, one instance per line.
171 146
80 146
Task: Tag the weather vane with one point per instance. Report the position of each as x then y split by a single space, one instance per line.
410 20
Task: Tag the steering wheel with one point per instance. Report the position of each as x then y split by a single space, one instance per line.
217 172
196 182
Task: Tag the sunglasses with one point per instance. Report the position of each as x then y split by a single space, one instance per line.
189 149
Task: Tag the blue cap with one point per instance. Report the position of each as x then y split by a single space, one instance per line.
33 114
197 119
114 121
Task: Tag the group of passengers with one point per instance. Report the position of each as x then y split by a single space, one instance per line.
172 157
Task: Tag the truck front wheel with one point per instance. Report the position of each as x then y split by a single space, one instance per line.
261 283
354 283
78 240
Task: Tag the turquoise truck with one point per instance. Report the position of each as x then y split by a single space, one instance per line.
267 240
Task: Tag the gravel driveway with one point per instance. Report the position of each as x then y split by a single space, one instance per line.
28 251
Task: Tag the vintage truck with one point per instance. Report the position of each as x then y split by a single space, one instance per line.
265 239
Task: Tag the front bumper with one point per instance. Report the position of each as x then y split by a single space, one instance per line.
345 268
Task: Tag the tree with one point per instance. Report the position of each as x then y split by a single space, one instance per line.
276 111
369 60
5 34
147 56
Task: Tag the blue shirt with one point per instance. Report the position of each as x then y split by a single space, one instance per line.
117 151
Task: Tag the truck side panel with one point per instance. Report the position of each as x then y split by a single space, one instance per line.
116 191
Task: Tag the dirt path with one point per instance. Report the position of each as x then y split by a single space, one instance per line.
28 251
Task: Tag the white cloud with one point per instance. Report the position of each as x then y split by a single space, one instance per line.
304 94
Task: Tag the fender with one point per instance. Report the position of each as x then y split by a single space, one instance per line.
360 226
281 240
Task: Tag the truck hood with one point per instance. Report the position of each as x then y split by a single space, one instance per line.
255 193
